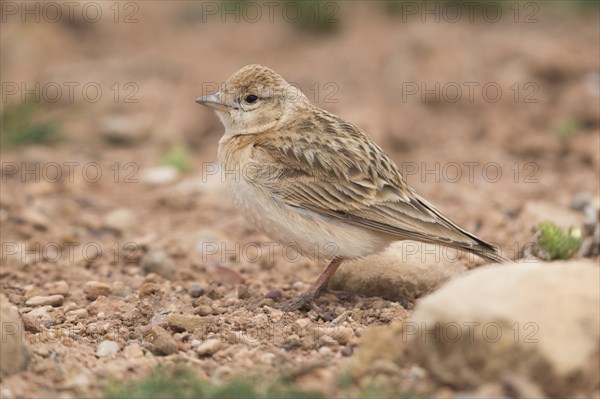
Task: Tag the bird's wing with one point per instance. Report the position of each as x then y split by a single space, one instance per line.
351 179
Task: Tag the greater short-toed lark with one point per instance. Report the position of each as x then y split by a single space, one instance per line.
307 177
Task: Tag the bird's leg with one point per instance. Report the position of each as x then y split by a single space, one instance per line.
315 290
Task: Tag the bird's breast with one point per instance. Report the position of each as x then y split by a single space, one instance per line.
311 234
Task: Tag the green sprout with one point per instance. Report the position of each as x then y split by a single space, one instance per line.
178 158
556 243
184 383
567 129
21 125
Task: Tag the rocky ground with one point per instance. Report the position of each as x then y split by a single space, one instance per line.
113 263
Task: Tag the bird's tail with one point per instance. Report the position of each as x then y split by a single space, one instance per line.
489 253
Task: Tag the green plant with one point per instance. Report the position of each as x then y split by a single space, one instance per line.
178 158
182 383
556 243
567 129
21 124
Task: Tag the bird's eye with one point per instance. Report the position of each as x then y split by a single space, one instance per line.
251 98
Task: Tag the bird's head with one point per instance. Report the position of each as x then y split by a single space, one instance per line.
253 100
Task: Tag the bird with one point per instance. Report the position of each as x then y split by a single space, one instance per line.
306 177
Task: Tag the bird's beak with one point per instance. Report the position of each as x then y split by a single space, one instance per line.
212 101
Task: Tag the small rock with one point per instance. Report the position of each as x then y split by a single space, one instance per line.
343 334
33 290
203 310
242 291
273 294
71 306
404 272
180 322
51 300
580 201
57 288
133 351
32 324
158 262
120 219
13 353
124 130
41 314
224 275
162 343
36 218
149 289
107 348
159 175
165 345
77 314
325 351
347 351
196 290
208 347
94 289
102 306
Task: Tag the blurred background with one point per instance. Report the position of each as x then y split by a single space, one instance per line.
491 110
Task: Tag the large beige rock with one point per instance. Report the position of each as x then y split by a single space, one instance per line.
13 354
538 320
404 272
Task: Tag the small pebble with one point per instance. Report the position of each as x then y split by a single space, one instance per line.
580 201
182 322
159 175
347 351
273 294
208 347
119 219
51 300
107 348
132 351
78 314
57 288
196 290
165 345
242 291
343 335
158 262
203 310
149 289
325 351
94 289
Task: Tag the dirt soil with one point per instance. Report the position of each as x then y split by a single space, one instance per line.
479 160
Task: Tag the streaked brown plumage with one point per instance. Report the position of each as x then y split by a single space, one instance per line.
310 178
